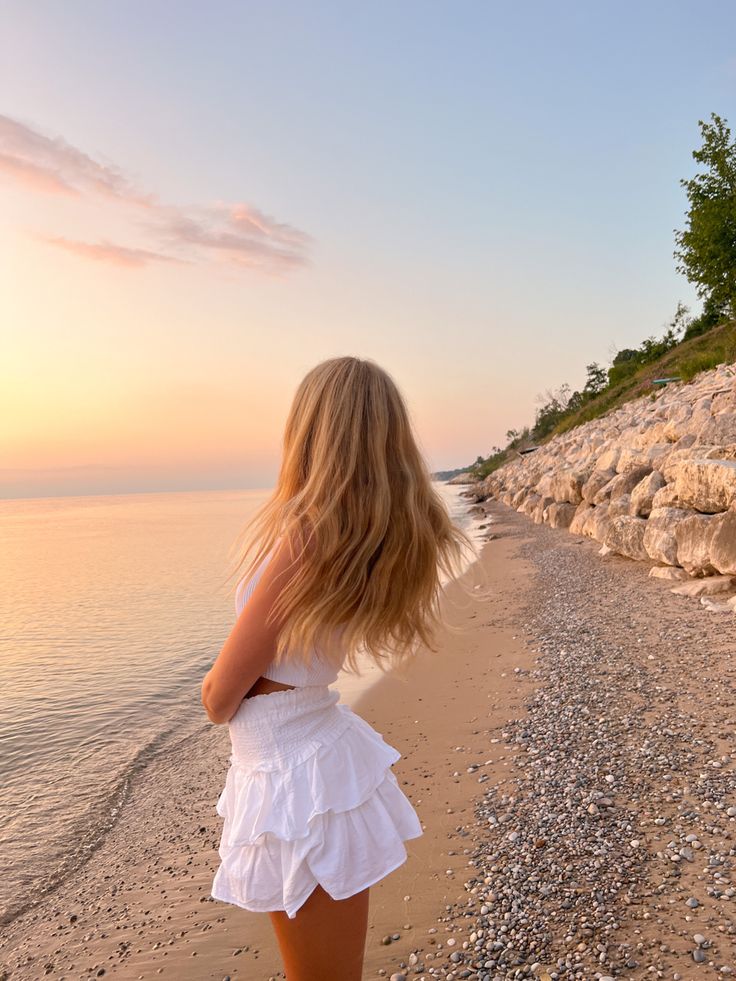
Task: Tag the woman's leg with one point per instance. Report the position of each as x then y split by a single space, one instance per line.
326 939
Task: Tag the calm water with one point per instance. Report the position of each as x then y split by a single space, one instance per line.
112 608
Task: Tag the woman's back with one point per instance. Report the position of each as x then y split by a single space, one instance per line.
297 671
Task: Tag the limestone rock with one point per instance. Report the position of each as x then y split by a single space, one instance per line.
708 486
694 535
665 497
619 505
659 534
622 483
597 480
608 459
560 514
715 607
670 572
566 485
632 473
642 496
596 523
578 519
626 536
528 502
723 543
718 429
709 586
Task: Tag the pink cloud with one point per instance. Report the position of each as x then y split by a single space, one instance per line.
237 234
251 221
33 176
72 168
118 255
213 234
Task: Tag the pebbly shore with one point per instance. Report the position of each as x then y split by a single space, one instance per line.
607 850
570 752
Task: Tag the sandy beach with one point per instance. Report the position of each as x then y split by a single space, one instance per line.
569 752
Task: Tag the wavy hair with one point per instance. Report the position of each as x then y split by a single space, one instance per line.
370 535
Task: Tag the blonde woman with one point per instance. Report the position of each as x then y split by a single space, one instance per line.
345 559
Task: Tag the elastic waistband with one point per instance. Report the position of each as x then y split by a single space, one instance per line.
269 730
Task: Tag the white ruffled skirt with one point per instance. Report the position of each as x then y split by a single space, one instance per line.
309 799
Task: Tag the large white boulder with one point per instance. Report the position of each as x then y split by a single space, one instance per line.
694 536
708 486
723 543
659 539
626 537
642 496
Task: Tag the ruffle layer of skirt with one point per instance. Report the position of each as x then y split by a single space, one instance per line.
344 852
335 777
336 818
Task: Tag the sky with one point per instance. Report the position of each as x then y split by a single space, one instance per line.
203 200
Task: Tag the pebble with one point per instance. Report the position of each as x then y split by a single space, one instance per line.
564 894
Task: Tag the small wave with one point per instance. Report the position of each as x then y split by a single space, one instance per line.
92 829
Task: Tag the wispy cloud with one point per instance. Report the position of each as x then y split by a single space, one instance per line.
62 163
237 234
34 177
118 255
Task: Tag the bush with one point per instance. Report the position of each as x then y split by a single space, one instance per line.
617 372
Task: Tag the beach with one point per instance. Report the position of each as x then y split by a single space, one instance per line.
569 749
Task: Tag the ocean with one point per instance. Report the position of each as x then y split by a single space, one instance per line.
112 609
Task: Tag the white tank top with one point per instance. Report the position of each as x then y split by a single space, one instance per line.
316 671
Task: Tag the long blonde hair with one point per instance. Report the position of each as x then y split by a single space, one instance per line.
354 498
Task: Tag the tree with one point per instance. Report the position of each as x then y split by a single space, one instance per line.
706 249
626 354
597 379
679 324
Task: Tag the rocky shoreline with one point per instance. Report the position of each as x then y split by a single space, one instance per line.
606 849
653 480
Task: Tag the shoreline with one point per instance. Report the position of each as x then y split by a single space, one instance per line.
569 753
161 734
168 823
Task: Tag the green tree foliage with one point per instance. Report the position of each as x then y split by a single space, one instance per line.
597 379
706 249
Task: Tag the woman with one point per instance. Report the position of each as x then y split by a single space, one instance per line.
346 559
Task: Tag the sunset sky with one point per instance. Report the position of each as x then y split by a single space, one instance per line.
202 200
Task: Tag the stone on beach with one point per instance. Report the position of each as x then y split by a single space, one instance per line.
706 485
642 495
659 540
618 778
626 536
709 586
694 536
597 480
560 514
670 572
622 483
713 606
723 543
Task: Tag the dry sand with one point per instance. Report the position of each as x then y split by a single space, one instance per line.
466 720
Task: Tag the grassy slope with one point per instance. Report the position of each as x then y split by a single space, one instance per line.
685 360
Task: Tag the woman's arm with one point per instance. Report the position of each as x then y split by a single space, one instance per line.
251 645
